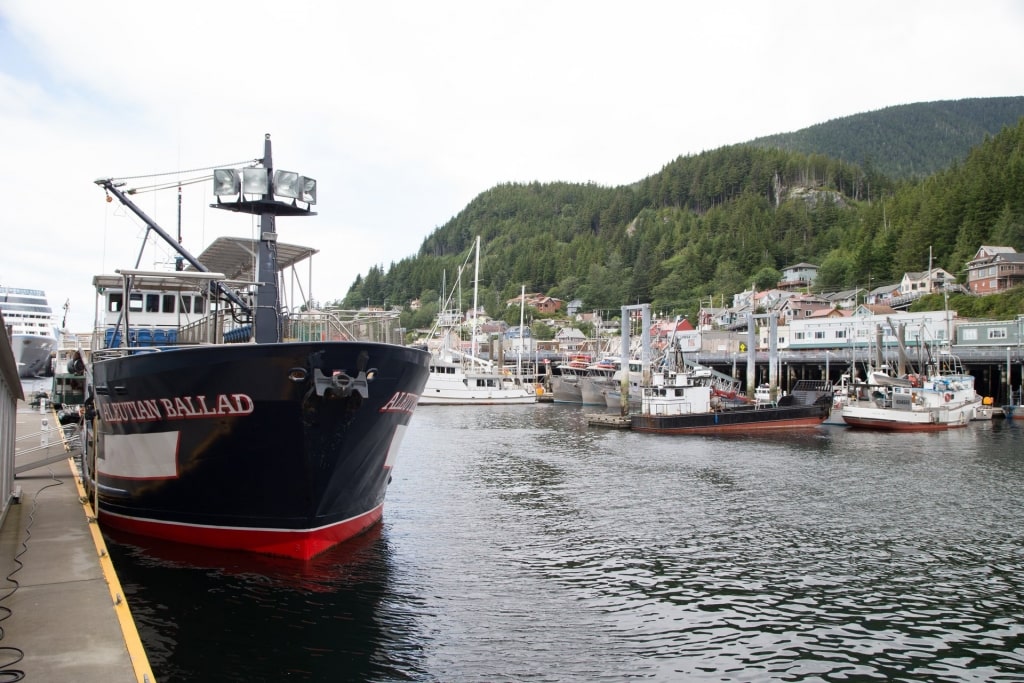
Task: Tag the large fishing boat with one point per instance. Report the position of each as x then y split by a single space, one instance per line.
222 419
33 330
940 398
567 382
685 403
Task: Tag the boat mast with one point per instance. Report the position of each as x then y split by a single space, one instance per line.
522 339
268 324
476 283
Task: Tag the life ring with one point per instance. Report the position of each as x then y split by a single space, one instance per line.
948 397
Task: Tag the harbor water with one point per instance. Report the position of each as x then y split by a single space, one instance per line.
519 544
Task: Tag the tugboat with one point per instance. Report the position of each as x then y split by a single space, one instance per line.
244 426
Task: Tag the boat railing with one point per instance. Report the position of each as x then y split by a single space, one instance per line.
344 325
98 355
809 391
209 330
217 327
720 381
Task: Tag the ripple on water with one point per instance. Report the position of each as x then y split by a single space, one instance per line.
521 545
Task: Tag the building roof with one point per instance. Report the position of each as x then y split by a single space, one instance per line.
1002 257
938 273
830 313
875 309
884 289
990 250
842 295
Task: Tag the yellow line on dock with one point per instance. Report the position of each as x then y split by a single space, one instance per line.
140 662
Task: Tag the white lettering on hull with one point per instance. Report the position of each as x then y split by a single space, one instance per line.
176 408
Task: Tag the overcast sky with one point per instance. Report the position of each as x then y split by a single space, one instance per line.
405 111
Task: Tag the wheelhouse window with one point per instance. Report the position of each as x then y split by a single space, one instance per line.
115 300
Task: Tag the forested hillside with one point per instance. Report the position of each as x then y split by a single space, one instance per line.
713 224
906 141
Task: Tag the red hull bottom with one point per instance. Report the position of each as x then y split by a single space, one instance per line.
743 428
300 544
887 426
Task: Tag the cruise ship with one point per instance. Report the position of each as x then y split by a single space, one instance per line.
29 318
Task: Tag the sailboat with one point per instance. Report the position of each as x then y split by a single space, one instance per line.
460 378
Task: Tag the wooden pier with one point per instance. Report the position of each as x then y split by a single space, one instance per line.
609 420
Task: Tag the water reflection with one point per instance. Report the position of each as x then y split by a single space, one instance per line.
263 617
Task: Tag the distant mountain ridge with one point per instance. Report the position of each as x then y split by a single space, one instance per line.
708 225
907 140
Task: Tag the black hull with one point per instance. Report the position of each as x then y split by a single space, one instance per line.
734 420
238 446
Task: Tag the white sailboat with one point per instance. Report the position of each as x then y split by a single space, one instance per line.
460 378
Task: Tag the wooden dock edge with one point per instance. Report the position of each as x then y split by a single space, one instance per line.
609 420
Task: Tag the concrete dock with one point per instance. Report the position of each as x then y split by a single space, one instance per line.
62 611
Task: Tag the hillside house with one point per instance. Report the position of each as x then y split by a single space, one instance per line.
570 340
995 269
539 302
846 299
800 276
801 306
830 313
873 309
925 282
881 294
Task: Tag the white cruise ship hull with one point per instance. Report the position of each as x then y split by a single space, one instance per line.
32 353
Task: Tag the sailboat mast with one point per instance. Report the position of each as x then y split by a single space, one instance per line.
476 283
522 339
